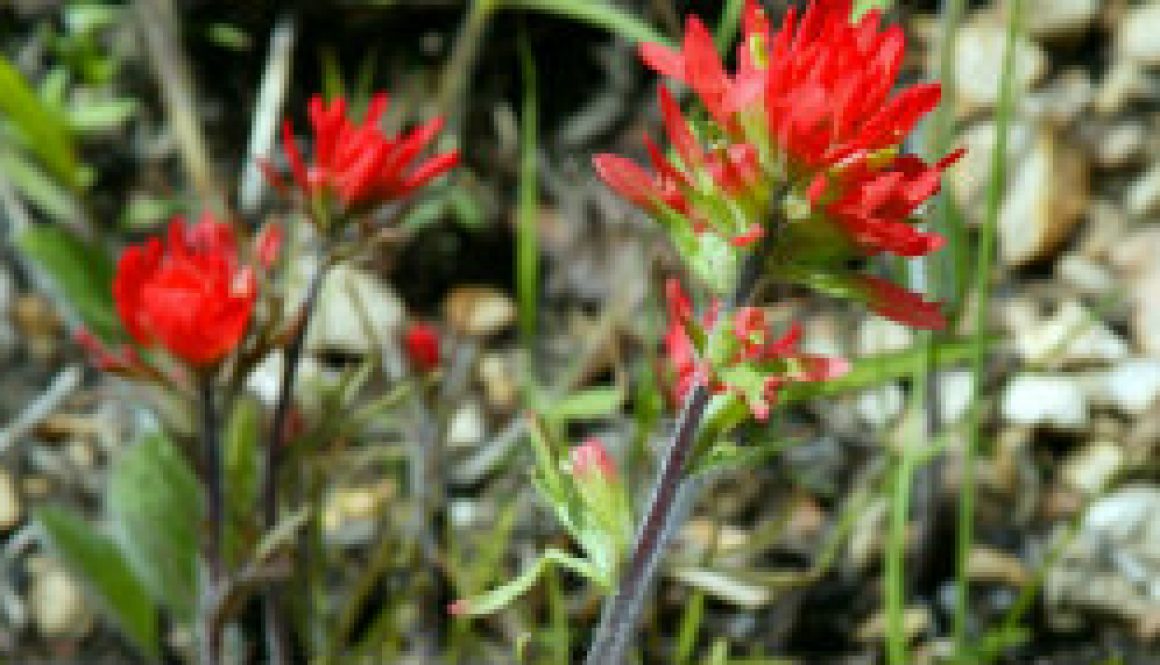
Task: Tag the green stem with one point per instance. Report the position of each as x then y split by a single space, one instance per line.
986 250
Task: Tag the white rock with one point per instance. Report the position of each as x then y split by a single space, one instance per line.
1084 274
1072 335
1090 468
1131 386
880 335
265 381
1145 321
58 605
10 509
1064 100
1059 19
1046 198
466 427
1104 232
879 406
1138 34
1143 195
956 389
979 62
1123 82
479 311
1051 400
1121 145
968 179
357 313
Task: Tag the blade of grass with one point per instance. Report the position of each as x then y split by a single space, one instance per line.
598 14
45 131
527 237
728 24
984 255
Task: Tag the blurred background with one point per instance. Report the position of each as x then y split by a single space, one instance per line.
115 116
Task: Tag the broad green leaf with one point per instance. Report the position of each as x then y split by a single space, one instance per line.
103 568
587 404
38 187
83 272
154 505
597 13
242 471
45 132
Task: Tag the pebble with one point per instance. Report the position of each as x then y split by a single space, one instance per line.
1142 198
1072 336
1131 387
1052 20
956 389
877 335
467 427
979 62
1050 400
1090 468
11 510
880 406
1046 199
986 564
357 313
1121 145
479 311
1145 321
498 376
58 604
1137 32
1085 275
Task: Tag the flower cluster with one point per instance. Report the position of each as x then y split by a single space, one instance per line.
740 355
189 294
805 132
356 165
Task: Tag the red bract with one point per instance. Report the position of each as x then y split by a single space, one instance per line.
892 301
356 162
189 294
749 360
422 344
591 458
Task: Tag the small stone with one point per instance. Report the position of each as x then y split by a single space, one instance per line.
1132 386
1090 468
1105 229
1145 321
1088 277
1121 145
979 62
1123 82
956 390
467 427
498 377
866 538
1046 199
969 178
878 335
1054 20
1136 35
915 622
357 313
1143 195
349 514
1050 400
479 311
1062 101
10 509
1072 335
985 564
880 406
58 605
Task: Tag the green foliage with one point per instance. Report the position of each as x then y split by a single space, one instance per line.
44 131
104 569
81 270
242 470
154 507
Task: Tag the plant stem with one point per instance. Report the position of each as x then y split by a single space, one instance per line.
276 636
210 623
986 249
671 501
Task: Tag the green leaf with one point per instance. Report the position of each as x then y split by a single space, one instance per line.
500 597
45 132
154 505
596 13
83 272
148 212
728 455
94 117
587 404
38 187
103 568
242 471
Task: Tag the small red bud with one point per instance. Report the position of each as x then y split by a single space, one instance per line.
422 345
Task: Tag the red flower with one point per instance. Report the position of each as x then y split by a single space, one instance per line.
590 458
189 295
422 344
358 163
892 301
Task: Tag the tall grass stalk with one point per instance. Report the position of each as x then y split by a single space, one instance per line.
986 249
527 235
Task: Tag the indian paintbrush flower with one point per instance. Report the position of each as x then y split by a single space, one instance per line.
806 131
356 165
421 342
189 294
